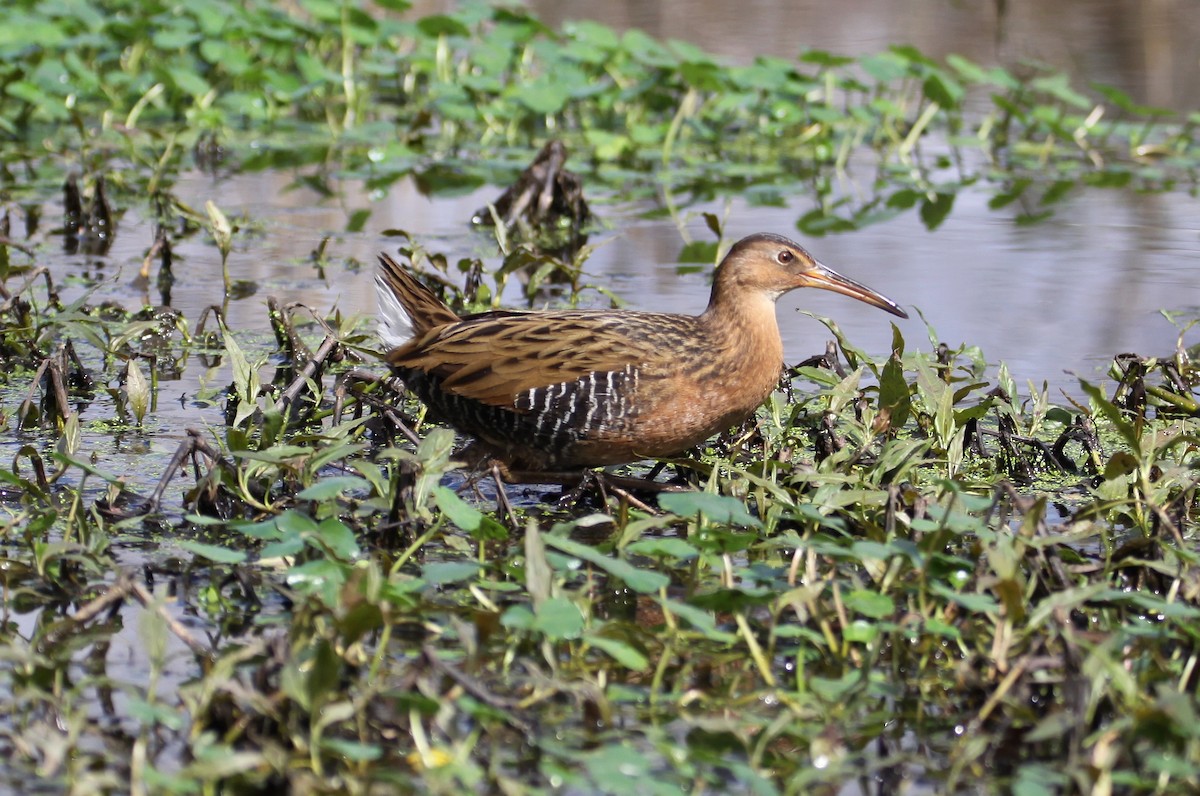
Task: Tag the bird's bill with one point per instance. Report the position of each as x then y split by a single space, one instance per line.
826 278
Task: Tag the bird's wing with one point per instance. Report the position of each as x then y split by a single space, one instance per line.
576 365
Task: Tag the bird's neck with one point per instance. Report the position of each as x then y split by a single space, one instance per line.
744 325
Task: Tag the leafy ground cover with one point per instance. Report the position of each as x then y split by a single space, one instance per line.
908 572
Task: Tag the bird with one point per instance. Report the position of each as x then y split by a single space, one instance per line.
565 390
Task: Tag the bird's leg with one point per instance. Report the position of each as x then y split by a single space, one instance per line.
479 464
585 477
685 476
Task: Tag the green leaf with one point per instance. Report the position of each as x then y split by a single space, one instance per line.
284 548
934 209
559 619
321 575
28 92
665 547
1120 464
332 487
624 654
943 90
832 690
870 604
297 522
622 770
338 538
979 603
1125 103
137 388
866 550
518 617
1058 86
1035 779
904 198
218 762
639 580
466 517
189 82
439 24
939 628
700 619
860 631
214 553
539 576
720 509
351 750
245 378
546 97
1014 191
698 252
358 220
826 58
439 573
150 714
894 395
1114 415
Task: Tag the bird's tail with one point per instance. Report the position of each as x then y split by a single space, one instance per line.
407 308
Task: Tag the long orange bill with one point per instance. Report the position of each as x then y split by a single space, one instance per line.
826 278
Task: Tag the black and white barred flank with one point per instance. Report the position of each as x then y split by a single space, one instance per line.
552 418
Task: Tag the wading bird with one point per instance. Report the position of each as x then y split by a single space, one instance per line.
567 389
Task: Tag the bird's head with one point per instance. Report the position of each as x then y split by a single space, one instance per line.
771 265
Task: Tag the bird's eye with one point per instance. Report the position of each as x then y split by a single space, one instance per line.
784 257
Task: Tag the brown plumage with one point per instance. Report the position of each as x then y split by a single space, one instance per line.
581 388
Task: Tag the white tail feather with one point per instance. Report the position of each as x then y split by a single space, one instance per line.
395 324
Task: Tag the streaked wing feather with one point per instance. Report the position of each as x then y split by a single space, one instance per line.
496 360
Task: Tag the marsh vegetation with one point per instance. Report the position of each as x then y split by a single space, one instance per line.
236 558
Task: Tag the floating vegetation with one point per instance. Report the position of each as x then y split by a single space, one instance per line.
905 572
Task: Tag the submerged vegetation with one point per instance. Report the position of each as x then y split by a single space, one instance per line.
907 572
